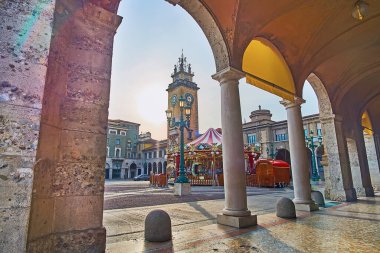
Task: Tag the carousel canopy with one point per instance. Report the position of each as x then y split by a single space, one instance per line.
210 137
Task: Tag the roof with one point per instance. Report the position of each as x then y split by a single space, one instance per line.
210 137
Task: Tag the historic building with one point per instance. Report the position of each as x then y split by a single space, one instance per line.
182 87
272 137
122 153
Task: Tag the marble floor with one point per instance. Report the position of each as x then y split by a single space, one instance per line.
343 227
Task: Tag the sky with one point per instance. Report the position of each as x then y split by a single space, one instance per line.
147 45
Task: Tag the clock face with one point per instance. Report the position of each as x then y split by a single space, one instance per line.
189 98
174 100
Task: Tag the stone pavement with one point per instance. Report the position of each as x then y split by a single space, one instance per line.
345 227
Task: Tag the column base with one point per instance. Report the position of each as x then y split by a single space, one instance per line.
308 207
348 195
182 189
237 222
90 240
369 192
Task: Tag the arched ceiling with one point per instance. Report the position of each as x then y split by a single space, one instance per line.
313 36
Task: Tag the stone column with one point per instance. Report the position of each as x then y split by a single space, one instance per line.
372 160
25 34
129 172
376 138
363 161
355 167
67 199
235 212
338 184
300 165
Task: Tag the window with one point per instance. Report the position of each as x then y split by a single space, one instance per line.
251 138
111 131
117 152
306 132
160 153
319 132
117 141
146 155
154 154
281 137
124 133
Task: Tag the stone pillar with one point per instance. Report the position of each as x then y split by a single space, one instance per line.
376 138
372 160
129 172
24 50
300 164
122 173
338 178
235 212
363 161
67 201
355 167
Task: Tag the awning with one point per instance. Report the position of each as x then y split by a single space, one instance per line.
266 69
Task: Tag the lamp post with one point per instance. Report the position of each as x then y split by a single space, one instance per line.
182 123
310 145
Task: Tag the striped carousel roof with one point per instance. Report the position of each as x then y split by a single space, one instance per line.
210 137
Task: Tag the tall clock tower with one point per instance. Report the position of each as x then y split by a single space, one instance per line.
184 86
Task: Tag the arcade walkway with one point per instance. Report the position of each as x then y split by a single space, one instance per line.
342 227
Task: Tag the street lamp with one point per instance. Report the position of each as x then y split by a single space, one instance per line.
182 123
310 144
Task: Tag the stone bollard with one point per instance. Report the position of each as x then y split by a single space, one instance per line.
285 208
158 227
317 196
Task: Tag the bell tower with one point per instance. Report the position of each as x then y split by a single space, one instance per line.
183 86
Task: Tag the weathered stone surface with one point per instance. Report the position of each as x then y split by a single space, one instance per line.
285 208
158 227
84 241
355 168
318 198
372 161
25 34
338 184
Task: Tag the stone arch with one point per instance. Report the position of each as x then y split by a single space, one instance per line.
155 168
75 107
336 162
146 168
283 154
211 30
165 166
324 103
160 167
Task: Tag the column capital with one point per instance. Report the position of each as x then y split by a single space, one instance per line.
289 104
228 73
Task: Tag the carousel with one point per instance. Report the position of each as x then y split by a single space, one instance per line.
204 163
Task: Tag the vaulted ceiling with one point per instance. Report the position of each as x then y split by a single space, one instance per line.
318 37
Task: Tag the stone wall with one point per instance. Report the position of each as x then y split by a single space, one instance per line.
25 33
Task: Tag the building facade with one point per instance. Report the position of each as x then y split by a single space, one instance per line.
122 153
271 137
